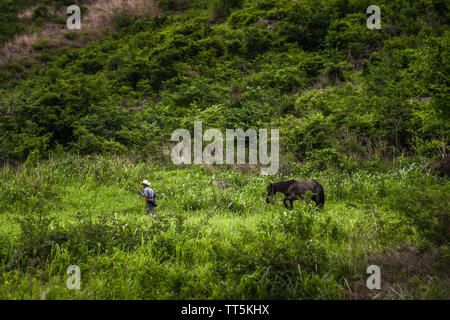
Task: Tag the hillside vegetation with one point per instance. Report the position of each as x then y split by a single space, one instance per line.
365 112
331 85
209 242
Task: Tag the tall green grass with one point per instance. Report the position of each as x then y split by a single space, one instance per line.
209 242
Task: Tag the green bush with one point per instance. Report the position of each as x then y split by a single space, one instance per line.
329 158
122 20
427 210
289 64
430 149
41 12
222 8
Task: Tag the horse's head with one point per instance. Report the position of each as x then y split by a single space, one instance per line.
270 192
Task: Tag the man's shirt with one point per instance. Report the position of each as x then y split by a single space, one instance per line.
149 194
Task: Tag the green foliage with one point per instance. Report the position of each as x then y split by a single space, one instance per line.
40 13
222 8
428 210
122 20
329 159
304 136
293 60
205 241
352 35
343 97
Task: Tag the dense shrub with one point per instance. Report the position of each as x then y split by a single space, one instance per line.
296 62
427 210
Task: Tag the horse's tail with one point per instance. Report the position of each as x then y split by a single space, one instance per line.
321 198
320 195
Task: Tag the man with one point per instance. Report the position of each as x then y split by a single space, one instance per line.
149 196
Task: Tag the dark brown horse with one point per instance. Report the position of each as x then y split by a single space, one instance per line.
294 190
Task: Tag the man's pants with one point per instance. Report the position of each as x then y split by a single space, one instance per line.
150 207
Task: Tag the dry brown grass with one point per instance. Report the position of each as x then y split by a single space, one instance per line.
27 13
95 23
101 12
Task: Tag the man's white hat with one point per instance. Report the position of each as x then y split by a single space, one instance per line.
146 182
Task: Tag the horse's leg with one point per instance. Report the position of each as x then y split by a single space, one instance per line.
284 202
291 200
316 199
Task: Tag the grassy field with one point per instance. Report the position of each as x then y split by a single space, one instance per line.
209 242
